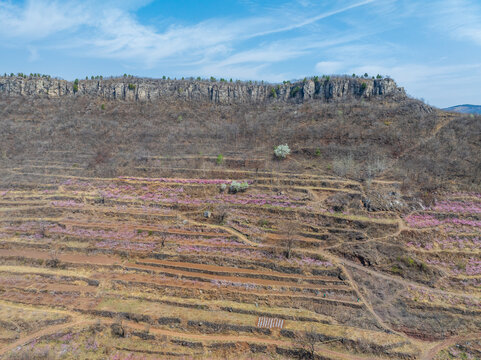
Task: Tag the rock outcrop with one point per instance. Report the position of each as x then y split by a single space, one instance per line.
141 89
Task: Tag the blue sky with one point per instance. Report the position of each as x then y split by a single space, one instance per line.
431 47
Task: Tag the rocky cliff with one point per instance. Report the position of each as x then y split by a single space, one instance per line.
141 89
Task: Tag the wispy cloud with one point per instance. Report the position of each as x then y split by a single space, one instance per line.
313 19
110 31
39 19
460 19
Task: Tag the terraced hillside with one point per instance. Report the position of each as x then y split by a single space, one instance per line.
173 266
120 238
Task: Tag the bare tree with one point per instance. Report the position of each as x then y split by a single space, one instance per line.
221 212
54 260
309 341
290 230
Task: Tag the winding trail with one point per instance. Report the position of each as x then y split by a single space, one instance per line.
46 331
228 229
430 353
368 305
175 334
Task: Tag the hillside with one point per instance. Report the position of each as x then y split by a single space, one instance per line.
345 131
465 109
123 234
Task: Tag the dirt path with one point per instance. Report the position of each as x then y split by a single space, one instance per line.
442 123
47 331
368 305
386 276
72 258
403 281
430 353
228 229
237 339
175 334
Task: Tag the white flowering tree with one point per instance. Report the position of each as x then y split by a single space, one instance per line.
236 187
281 151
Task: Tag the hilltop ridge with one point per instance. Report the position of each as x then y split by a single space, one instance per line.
343 125
222 92
465 109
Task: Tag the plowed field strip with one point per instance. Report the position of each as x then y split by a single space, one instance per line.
110 260
209 305
45 286
234 279
72 258
22 208
134 227
85 208
239 290
272 175
234 270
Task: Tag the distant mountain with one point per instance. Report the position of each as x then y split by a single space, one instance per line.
465 109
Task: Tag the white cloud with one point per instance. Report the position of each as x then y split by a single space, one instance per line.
40 19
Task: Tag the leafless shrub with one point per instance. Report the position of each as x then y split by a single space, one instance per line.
343 166
117 328
289 230
54 260
221 212
374 167
33 353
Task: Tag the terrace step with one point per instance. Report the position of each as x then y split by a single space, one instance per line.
249 273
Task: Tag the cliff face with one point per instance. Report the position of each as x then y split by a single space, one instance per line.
138 89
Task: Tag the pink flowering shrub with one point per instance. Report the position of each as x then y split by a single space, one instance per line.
466 194
182 181
307 261
67 203
426 295
421 221
458 207
448 243
471 267
126 245
225 283
425 220
452 242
